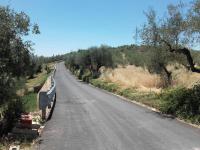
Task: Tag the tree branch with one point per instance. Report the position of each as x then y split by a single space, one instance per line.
184 51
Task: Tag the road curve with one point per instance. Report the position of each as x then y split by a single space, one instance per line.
86 118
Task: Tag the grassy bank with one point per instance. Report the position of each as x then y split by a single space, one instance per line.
33 86
148 98
179 102
29 99
39 79
30 102
27 90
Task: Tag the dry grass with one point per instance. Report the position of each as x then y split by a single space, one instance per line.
183 77
132 76
140 78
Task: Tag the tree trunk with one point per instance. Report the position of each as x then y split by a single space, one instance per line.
186 52
166 76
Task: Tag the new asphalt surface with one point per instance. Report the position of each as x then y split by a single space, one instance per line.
87 118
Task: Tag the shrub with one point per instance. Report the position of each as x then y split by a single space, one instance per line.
48 70
39 68
184 103
173 99
12 113
86 76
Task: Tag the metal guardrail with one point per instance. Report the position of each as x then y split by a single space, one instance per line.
47 98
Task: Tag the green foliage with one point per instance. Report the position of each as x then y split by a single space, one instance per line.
86 76
30 102
111 87
98 83
12 113
15 58
192 22
16 61
15 52
173 100
48 70
6 87
54 58
86 63
39 68
176 33
148 98
128 92
20 83
184 103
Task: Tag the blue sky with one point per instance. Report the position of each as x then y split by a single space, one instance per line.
68 25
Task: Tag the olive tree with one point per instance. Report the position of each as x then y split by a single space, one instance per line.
175 33
15 57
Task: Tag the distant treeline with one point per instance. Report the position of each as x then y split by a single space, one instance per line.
86 63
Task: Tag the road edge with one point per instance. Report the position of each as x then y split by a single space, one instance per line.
147 107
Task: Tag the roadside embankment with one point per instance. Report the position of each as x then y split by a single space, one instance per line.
142 80
180 103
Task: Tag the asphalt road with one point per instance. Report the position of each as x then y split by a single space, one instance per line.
86 118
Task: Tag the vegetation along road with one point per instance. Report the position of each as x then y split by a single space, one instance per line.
86 118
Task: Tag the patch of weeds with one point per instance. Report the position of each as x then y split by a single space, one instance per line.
183 103
128 93
148 98
30 102
111 87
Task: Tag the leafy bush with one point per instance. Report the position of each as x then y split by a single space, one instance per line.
184 103
98 83
39 68
91 59
30 102
87 75
48 70
12 113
